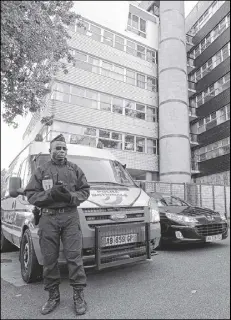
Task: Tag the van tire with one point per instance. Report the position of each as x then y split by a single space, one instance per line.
31 270
6 245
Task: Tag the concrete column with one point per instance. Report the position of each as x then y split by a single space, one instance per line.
148 176
174 143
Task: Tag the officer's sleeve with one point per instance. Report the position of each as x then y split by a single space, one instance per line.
82 189
35 192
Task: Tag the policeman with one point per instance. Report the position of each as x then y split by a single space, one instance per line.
58 187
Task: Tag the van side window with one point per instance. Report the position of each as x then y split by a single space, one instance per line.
24 172
5 187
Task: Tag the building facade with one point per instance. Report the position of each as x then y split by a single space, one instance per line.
130 90
208 29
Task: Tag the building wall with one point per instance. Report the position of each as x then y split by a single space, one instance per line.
114 15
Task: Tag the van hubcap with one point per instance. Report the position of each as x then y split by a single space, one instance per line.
26 255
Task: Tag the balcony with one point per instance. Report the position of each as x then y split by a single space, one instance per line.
189 42
190 64
193 140
192 113
191 88
194 167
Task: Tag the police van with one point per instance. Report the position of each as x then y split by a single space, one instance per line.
119 222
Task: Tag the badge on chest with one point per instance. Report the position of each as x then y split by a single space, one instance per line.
47 184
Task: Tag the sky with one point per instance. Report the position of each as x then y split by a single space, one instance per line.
11 139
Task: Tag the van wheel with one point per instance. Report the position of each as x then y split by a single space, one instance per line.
6 245
31 270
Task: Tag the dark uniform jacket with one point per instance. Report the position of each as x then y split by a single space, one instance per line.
69 173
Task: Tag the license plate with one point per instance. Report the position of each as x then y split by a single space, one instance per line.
117 240
214 238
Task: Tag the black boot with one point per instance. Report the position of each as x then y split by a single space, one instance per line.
52 302
79 302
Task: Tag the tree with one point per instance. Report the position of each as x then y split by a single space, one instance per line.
33 48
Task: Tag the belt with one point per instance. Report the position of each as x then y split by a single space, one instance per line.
57 210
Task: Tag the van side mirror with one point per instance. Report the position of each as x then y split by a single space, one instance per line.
124 166
15 188
141 184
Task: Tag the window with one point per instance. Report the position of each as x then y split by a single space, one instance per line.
140 81
130 77
131 48
64 97
106 69
130 109
117 105
129 143
94 64
140 144
118 73
151 114
96 32
140 111
119 43
105 102
108 38
83 28
151 146
104 134
226 51
137 25
111 140
91 99
90 131
151 56
151 84
25 172
140 52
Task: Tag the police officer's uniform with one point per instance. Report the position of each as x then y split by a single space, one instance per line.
59 219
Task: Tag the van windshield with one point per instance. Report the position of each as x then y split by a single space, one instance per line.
97 170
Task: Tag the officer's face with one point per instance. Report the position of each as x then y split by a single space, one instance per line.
58 150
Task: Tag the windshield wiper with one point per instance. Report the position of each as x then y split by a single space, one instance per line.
107 182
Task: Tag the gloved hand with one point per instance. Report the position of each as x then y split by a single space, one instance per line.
61 194
55 192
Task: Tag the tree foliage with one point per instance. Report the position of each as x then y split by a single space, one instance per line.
33 47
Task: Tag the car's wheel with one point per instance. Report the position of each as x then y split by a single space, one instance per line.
31 270
6 245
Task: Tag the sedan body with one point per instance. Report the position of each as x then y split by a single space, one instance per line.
182 222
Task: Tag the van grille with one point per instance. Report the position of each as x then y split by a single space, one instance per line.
104 215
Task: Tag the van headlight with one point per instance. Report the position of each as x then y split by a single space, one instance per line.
180 218
153 211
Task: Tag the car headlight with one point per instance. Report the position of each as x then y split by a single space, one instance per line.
153 211
180 218
223 217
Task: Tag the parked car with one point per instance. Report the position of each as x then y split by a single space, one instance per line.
182 222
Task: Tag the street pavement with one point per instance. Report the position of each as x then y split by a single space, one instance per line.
186 282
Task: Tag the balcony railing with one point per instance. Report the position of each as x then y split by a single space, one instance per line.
193 138
194 166
190 64
189 41
191 85
192 112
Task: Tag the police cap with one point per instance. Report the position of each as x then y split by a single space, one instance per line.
60 137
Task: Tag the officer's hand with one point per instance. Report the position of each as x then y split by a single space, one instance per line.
61 195
55 192
66 195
